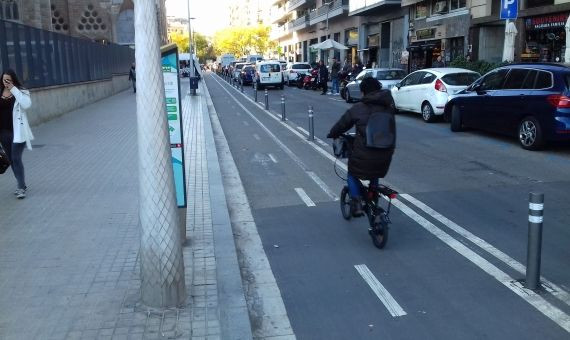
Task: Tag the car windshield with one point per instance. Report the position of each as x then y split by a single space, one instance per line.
248 68
270 68
460 79
301 67
390 75
239 66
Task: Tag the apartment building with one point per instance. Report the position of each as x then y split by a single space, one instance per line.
375 32
249 12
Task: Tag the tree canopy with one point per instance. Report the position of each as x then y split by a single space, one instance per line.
204 48
242 41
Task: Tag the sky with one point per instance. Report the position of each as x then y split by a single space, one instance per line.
211 15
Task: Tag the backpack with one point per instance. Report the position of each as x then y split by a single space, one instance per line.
381 131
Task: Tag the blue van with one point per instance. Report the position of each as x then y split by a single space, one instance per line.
529 101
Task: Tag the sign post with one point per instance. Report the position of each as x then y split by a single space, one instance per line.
170 70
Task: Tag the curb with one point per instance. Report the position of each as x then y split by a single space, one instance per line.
234 316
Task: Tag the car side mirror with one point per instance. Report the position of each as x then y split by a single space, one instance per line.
398 85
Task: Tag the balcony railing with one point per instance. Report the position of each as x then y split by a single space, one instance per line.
296 4
333 10
299 23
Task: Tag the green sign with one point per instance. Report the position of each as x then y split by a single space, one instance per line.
170 100
172 117
171 109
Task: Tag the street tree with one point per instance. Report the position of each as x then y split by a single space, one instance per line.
243 40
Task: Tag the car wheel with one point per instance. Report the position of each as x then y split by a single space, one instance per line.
343 93
348 96
281 87
427 113
530 134
456 120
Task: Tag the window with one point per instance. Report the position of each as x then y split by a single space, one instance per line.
390 75
516 79
460 79
270 68
412 79
428 78
543 80
421 10
439 6
364 74
301 66
493 80
9 10
458 4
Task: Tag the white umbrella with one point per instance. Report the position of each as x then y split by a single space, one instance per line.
567 50
329 44
509 47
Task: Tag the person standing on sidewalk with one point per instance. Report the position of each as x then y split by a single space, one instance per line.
335 69
15 132
133 77
323 76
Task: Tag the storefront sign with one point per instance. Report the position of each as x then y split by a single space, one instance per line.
174 115
426 33
374 40
509 9
546 22
429 33
352 37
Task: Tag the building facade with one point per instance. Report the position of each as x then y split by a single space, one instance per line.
101 20
249 12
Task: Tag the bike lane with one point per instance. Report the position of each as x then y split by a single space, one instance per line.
313 253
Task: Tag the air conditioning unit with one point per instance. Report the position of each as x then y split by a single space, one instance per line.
440 7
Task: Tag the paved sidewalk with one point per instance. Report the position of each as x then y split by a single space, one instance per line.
69 252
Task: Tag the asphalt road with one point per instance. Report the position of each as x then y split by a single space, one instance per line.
457 250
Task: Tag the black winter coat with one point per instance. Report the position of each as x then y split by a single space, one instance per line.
323 74
365 163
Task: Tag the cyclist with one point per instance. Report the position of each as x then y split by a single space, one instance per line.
366 163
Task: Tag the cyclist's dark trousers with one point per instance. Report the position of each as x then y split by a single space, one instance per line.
354 185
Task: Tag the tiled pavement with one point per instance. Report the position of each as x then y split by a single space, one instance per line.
69 264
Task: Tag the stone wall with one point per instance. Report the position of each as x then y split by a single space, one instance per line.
51 102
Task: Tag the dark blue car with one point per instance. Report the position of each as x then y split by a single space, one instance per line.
246 75
530 101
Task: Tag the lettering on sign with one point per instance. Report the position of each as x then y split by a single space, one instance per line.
546 22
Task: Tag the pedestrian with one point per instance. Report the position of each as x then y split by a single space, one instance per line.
335 69
357 68
438 62
133 77
323 77
15 132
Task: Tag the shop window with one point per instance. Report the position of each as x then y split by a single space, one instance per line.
421 10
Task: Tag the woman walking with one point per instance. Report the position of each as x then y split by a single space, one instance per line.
15 132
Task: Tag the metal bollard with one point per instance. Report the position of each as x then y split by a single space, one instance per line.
241 86
535 210
255 93
283 108
266 100
311 125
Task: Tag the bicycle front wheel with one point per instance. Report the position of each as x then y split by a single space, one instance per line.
345 204
378 229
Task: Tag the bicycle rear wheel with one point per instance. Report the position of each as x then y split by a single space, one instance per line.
378 229
345 203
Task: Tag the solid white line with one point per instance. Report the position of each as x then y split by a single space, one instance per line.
303 130
284 147
322 184
549 310
256 136
549 286
382 293
305 197
561 294
273 158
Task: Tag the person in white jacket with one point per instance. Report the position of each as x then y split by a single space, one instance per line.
15 132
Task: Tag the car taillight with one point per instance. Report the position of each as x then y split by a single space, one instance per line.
559 101
440 86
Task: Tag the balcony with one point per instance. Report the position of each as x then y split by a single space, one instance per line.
277 2
338 7
278 32
299 24
299 4
364 7
281 14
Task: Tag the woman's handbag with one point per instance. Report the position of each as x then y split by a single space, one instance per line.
4 161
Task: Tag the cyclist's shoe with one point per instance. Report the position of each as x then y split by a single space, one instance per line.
356 207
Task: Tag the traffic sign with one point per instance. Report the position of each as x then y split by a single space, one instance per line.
509 9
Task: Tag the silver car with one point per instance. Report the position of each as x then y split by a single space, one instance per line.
388 77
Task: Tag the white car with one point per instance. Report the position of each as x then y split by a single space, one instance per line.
294 69
268 73
237 70
388 77
427 91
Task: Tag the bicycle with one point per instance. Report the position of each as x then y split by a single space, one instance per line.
378 217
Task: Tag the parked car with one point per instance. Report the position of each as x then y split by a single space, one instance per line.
293 70
428 90
388 77
530 101
237 70
247 73
268 73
